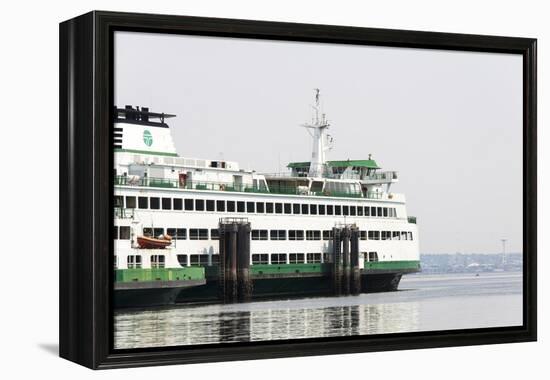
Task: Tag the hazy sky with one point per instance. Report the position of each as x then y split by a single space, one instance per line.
448 122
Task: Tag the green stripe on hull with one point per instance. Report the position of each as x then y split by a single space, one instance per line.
391 265
159 274
198 273
262 269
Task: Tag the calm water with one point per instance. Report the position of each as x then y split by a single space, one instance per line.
424 302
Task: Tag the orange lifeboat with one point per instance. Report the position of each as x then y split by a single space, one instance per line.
148 242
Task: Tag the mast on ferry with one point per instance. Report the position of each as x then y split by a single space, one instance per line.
317 130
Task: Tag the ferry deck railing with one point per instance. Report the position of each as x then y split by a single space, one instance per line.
386 176
235 187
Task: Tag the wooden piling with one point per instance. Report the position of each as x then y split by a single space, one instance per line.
346 275
223 238
234 278
337 261
244 287
355 280
231 264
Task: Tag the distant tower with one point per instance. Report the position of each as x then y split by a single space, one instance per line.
319 127
503 251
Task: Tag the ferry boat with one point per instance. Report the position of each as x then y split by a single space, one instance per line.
179 202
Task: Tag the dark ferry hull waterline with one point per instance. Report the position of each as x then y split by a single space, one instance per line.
140 287
274 284
292 287
154 293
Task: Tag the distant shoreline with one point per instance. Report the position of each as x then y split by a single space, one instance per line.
471 262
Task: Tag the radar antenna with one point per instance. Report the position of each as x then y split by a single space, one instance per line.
317 130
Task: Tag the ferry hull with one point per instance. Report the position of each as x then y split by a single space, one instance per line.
293 287
150 294
143 288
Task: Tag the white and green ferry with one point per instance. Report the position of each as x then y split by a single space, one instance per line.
162 195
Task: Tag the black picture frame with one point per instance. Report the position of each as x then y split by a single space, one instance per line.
86 183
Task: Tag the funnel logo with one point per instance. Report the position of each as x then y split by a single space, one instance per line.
147 138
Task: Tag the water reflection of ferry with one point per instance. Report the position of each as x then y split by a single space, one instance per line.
183 326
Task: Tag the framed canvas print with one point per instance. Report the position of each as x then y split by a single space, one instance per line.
237 189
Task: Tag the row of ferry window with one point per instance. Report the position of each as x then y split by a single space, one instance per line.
157 203
327 235
123 233
158 261
300 258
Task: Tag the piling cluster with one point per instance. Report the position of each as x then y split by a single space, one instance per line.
235 283
346 275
